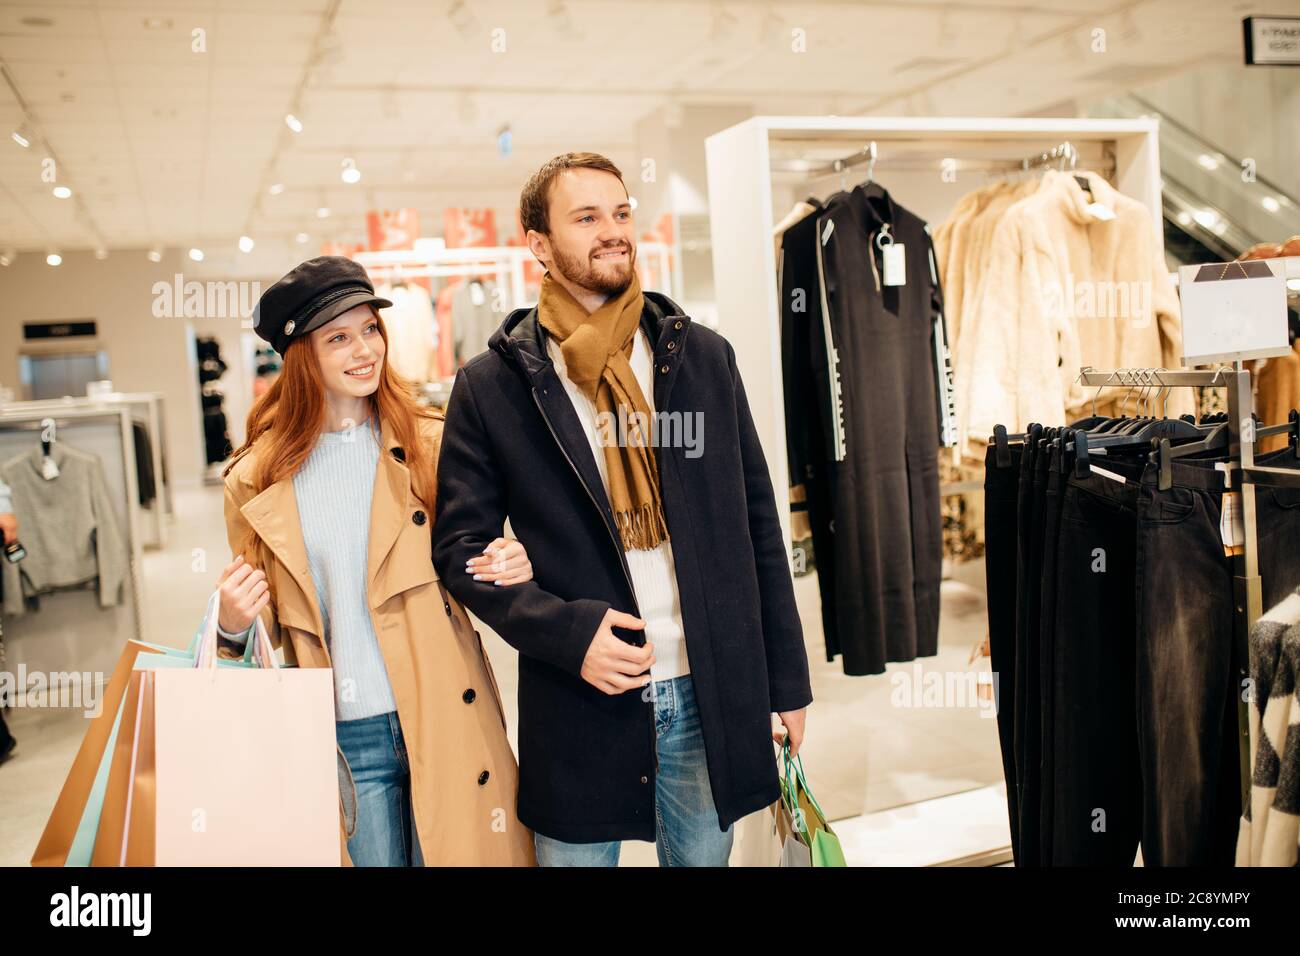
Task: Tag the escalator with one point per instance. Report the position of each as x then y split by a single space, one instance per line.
1216 205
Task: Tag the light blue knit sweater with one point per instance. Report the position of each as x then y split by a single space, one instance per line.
334 488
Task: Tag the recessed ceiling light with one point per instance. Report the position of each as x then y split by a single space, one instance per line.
276 188
19 136
302 237
196 255
62 192
53 259
101 253
7 258
155 254
322 212
1206 217
350 172
293 122
246 244
1207 162
1271 204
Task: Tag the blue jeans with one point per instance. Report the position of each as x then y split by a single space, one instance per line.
686 822
376 754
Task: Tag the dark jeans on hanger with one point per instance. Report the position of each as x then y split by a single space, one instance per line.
1028 697
1001 494
1095 782
1187 688
1046 641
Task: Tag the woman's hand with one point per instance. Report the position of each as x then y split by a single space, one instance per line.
243 592
503 562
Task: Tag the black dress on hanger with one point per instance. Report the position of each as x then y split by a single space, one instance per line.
874 499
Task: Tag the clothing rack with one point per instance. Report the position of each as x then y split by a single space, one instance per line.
149 406
1242 435
59 638
1064 152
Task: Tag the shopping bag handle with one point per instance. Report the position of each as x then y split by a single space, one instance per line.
257 649
794 772
211 614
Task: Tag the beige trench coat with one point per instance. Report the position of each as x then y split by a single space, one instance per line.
464 778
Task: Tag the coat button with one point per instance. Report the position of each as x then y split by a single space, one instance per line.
483 778
468 696
671 346
678 324
663 369
645 779
446 607
419 517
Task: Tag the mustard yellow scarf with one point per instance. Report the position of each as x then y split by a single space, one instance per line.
597 348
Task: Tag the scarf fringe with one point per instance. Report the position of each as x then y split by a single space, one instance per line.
641 529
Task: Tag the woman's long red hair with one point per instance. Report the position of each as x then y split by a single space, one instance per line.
286 421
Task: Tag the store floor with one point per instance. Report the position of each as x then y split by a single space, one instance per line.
872 742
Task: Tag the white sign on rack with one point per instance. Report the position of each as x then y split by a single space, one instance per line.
1232 311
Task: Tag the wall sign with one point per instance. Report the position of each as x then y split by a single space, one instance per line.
58 330
1272 41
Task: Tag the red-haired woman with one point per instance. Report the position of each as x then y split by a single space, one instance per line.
329 506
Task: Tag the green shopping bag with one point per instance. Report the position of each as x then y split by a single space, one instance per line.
809 822
69 835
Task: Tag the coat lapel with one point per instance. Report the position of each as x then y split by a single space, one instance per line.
395 564
387 508
273 514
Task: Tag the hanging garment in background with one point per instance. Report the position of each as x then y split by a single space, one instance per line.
794 366
144 476
411 344
473 317
216 432
1065 285
863 391
1270 826
71 530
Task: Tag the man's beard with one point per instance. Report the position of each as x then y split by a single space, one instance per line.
582 272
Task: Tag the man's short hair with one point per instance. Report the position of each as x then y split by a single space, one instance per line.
534 201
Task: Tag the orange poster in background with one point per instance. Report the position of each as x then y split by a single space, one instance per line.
392 229
469 228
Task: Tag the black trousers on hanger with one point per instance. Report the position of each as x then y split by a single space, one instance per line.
1001 494
1188 685
1028 699
1095 783
1053 493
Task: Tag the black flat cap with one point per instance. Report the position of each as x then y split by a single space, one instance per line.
313 293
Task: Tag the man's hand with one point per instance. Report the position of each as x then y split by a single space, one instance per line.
794 725
613 665
8 528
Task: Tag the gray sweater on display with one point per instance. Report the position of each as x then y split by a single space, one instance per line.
70 528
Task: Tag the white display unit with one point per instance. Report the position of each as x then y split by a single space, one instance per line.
748 196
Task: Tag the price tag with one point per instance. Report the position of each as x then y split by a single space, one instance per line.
895 264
